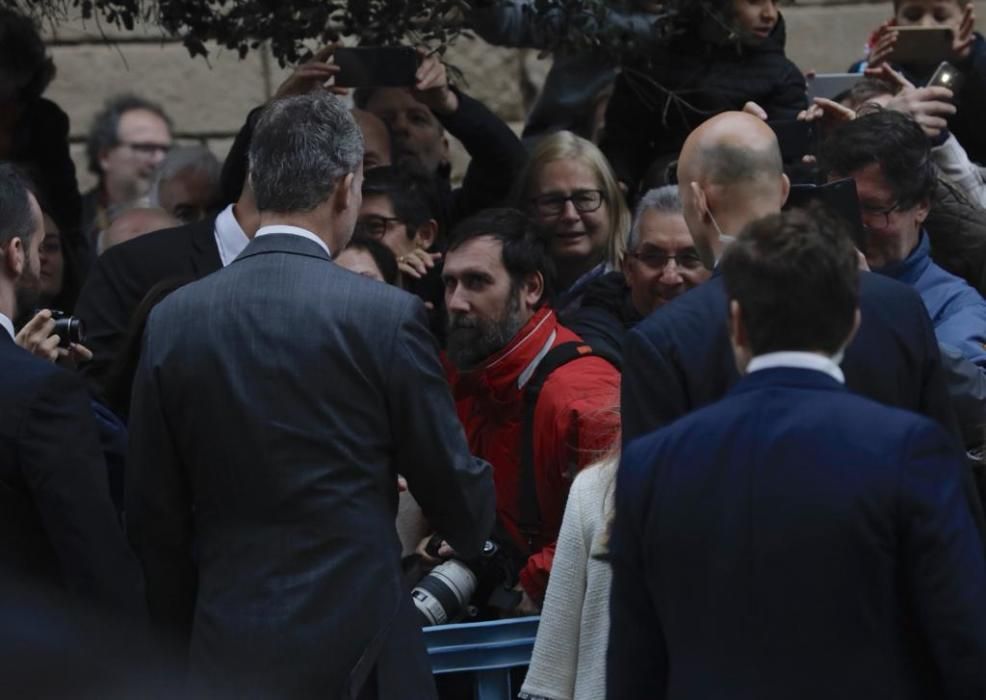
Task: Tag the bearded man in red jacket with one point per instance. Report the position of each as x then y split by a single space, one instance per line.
498 276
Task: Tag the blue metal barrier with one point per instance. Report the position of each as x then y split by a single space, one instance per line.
487 649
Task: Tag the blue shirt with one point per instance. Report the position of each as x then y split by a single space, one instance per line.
957 311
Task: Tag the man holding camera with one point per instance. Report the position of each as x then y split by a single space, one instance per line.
503 340
275 403
58 527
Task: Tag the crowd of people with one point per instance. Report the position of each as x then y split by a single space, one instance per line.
270 416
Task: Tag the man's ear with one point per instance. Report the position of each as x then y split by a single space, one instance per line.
700 201
785 189
625 265
14 257
344 196
426 234
856 320
742 352
533 290
921 212
103 158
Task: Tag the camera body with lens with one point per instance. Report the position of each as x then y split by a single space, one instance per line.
69 329
458 589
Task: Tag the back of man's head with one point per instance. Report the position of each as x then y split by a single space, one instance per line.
17 217
733 148
302 147
890 139
524 244
796 280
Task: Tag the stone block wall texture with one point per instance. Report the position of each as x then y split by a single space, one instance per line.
209 99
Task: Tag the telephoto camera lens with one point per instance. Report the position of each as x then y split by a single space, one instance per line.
443 594
69 329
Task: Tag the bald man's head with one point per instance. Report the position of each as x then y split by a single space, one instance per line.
730 173
133 223
732 148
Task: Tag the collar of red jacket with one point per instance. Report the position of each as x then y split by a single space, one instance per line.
502 377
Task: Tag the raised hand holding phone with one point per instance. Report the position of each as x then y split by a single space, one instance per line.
312 75
431 87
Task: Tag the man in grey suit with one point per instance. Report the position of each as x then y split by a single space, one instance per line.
275 403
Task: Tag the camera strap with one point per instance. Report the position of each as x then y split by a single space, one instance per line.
561 354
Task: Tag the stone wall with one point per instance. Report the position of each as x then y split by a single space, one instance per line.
208 99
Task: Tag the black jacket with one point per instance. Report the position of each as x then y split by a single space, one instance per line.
122 277
653 109
605 316
58 526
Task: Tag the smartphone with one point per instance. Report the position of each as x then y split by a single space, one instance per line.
796 138
840 198
921 45
376 66
947 76
832 85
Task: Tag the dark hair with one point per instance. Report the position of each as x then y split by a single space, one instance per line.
413 195
23 56
525 244
796 279
381 254
104 132
301 148
895 142
16 218
865 90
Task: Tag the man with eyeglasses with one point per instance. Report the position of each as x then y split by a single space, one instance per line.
660 265
888 155
127 141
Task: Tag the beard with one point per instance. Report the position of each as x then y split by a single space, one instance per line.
470 340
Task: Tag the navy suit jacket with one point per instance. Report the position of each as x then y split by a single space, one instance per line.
58 525
679 359
795 541
275 403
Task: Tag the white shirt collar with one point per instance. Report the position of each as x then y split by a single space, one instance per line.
231 239
798 360
7 324
294 231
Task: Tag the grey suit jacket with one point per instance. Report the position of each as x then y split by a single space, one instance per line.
275 403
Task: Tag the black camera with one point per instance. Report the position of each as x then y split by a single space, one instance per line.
456 589
69 329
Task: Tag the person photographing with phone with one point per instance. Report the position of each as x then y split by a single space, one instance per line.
920 35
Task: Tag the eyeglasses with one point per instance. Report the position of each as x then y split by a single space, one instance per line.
553 203
146 148
376 226
657 259
879 218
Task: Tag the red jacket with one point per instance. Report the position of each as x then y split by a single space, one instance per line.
576 422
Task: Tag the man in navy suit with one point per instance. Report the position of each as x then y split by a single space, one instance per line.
795 540
678 358
275 403
58 527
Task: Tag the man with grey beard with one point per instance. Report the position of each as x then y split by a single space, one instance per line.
503 340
